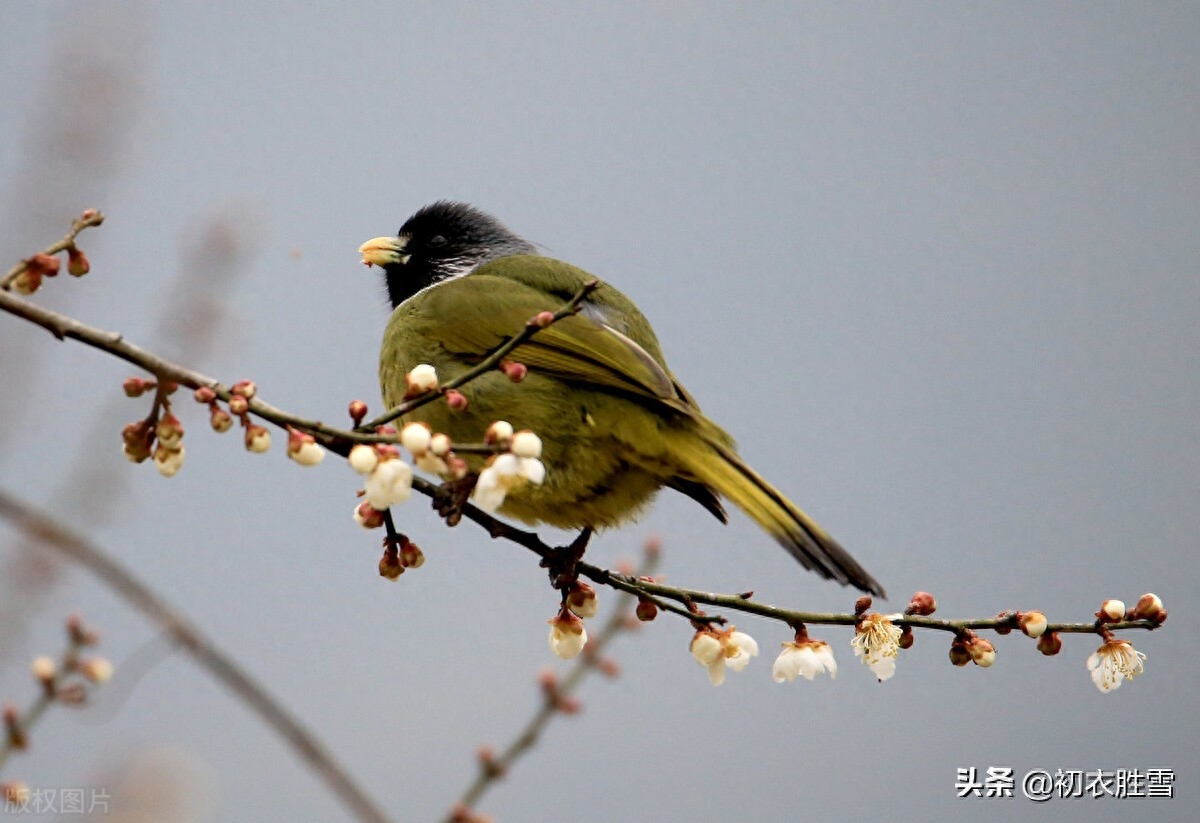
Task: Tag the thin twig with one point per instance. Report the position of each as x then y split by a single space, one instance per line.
495 768
532 327
89 218
306 745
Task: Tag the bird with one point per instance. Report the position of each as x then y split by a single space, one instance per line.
615 424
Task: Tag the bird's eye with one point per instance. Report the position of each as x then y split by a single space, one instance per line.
437 240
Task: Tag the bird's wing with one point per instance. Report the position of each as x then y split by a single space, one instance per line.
463 317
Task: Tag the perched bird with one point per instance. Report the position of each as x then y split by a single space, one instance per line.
616 425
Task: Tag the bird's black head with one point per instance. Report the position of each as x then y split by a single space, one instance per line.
441 241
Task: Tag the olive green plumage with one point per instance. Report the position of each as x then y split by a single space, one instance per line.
615 424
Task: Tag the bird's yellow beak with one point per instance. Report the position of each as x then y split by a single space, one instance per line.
383 251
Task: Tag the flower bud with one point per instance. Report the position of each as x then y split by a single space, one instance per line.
456 400
906 637
646 611
44 669
44 265
516 372
77 263
416 437
982 652
220 420
169 431
358 411
258 439
363 458
136 386
1112 611
390 565
922 604
204 395
1049 643
303 448
244 388
367 516
421 379
526 444
96 669
239 405
411 555
582 600
27 282
439 445
543 319
168 461
959 654
862 604
567 634
499 433
1032 623
1150 607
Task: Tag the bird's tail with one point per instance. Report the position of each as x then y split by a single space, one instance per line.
719 468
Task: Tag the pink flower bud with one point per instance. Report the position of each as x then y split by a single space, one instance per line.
367 516
543 319
411 555
244 388
89 215
205 395
239 405
922 604
906 638
136 386
77 263
515 372
456 400
646 611
358 411
27 282
43 264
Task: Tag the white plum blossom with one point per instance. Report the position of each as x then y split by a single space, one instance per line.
1113 662
506 472
422 378
388 484
363 458
526 444
806 658
567 635
877 642
715 650
169 461
416 437
501 431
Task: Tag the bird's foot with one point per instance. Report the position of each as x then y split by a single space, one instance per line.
562 563
453 496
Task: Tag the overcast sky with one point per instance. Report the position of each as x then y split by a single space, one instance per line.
934 265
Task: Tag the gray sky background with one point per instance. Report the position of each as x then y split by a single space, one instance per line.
934 265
